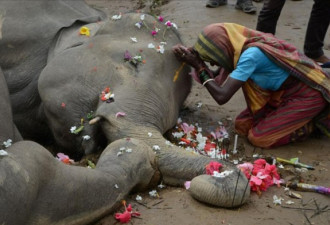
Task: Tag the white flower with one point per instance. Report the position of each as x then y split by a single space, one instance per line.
156 147
129 150
153 193
222 174
138 57
235 161
7 143
151 45
149 134
138 198
142 17
116 17
178 134
73 129
134 39
3 153
199 129
179 120
161 49
161 186
86 137
116 186
277 200
201 141
138 25
168 143
289 202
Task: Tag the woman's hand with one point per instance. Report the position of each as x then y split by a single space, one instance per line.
189 56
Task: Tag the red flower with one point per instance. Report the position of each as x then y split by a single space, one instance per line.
126 216
213 166
153 33
160 18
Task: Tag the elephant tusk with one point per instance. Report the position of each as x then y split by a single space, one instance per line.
95 120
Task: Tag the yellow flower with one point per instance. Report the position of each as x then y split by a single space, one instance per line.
84 31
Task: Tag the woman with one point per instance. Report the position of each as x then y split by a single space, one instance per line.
284 90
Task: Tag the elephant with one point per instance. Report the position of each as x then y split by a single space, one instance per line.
70 74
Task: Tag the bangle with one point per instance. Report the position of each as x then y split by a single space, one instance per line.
205 82
203 76
201 70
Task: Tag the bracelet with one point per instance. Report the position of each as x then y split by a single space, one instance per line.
201 70
203 76
205 82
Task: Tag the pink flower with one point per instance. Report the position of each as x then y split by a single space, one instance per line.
213 166
153 33
168 23
120 114
186 128
246 168
160 18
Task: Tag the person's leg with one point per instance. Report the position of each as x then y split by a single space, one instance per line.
291 121
316 30
268 16
215 3
246 6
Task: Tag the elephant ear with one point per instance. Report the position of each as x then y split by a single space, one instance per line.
8 129
228 191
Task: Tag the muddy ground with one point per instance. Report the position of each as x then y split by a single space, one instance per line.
175 205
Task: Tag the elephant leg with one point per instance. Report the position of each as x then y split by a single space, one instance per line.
178 166
38 189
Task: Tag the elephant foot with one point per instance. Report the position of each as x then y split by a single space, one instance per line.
228 191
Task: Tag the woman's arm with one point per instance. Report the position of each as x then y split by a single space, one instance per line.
224 93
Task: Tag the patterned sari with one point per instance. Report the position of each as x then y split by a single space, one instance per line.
273 117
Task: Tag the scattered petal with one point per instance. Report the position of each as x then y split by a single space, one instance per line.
161 49
178 134
3 153
64 158
134 39
119 153
120 114
138 25
289 202
149 134
116 186
86 137
129 150
156 147
161 186
73 129
151 45
116 17
153 193
187 184
8 143
138 198
277 200
142 17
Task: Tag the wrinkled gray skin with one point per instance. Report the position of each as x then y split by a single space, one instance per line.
38 189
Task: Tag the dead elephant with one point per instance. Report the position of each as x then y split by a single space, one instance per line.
78 68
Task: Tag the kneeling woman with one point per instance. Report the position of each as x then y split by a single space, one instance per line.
286 93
